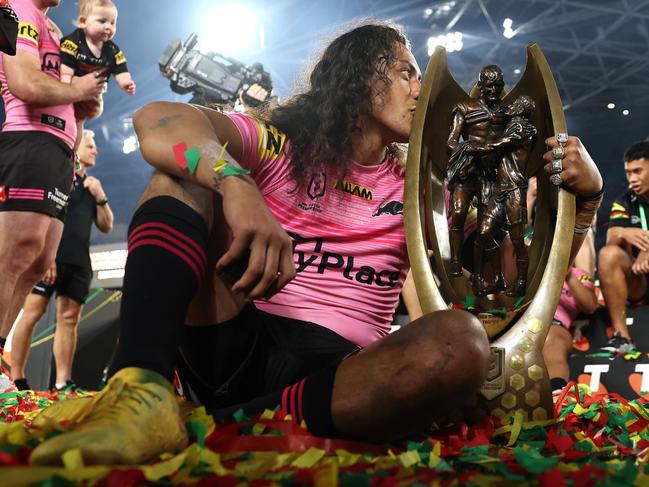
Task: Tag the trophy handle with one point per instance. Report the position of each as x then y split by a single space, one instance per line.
427 291
517 379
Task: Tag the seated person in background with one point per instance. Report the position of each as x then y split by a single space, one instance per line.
624 260
577 297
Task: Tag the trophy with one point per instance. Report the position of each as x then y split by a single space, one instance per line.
476 151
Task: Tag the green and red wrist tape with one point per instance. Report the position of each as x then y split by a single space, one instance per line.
188 158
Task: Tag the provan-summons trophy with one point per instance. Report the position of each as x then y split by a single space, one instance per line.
477 151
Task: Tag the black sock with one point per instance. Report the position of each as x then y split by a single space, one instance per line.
22 385
166 262
308 399
558 383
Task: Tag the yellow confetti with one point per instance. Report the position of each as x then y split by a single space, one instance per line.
309 458
220 162
346 459
153 473
213 461
579 410
409 458
72 459
220 165
437 448
326 476
267 414
433 459
516 427
258 429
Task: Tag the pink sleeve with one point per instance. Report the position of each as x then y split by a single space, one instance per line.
263 152
30 27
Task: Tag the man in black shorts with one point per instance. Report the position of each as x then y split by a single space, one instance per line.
70 275
624 260
36 165
278 323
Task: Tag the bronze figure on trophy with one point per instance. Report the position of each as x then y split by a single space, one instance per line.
495 144
484 166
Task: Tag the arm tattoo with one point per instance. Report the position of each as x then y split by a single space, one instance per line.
216 182
164 121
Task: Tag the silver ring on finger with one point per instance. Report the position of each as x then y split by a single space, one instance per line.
556 179
562 138
558 153
556 166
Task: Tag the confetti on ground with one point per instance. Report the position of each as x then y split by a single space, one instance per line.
593 441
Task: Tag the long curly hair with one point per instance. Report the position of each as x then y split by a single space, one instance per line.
322 120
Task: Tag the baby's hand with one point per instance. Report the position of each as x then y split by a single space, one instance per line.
130 88
126 83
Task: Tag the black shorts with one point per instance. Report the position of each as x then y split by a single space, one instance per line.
36 170
71 281
252 355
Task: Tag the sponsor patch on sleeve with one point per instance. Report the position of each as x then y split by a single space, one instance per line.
271 141
120 58
69 47
28 32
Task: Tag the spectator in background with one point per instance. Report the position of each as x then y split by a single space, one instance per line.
624 260
70 275
36 165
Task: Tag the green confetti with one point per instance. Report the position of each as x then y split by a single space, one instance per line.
193 156
532 461
56 481
196 429
240 416
235 171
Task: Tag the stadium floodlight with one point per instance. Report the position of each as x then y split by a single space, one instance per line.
452 42
231 29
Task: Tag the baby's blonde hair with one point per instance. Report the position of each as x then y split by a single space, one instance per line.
86 6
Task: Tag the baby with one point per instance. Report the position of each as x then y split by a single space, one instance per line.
90 49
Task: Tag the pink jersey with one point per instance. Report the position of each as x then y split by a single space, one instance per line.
37 35
349 240
567 309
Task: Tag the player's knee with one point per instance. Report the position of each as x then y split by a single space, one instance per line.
456 345
68 318
610 257
33 310
551 348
